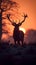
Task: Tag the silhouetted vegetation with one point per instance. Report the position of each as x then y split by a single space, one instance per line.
30 36
5 5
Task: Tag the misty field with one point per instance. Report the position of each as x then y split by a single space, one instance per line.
17 54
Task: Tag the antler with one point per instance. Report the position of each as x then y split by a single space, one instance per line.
12 22
23 19
25 16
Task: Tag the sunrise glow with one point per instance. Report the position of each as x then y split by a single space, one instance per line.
22 29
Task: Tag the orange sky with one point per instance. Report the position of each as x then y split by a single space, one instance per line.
28 7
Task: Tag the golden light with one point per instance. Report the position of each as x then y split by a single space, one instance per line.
22 29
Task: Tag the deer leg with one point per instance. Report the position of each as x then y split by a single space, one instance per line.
18 42
15 41
22 42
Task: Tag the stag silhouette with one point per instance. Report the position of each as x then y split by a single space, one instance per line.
17 34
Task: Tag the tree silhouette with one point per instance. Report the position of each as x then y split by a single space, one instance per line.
5 5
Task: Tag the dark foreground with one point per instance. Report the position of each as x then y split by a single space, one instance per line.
16 54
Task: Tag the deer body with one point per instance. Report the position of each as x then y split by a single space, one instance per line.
18 35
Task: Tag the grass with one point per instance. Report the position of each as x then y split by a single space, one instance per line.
17 54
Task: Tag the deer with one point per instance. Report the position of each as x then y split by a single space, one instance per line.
18 35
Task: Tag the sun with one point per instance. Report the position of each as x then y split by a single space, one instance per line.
22 29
